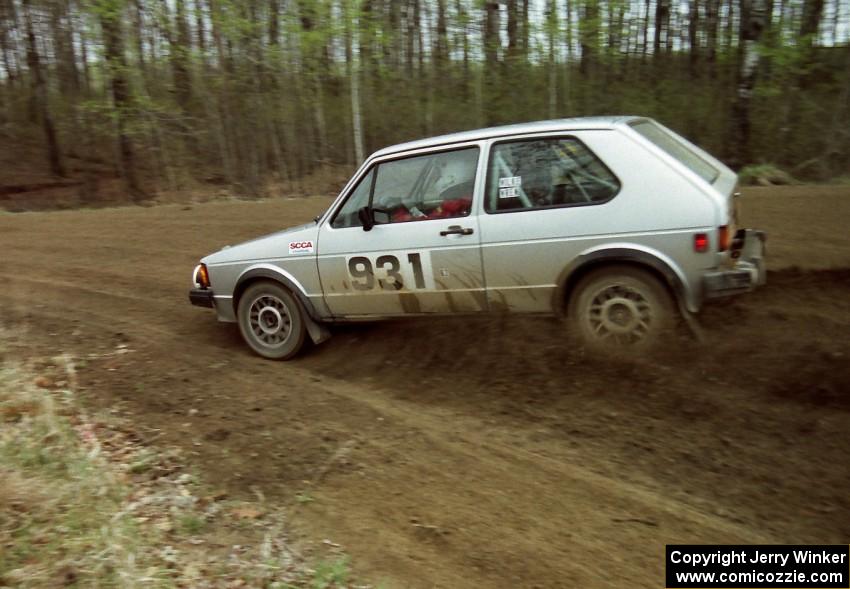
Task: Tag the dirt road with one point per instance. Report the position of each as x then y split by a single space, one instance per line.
469 453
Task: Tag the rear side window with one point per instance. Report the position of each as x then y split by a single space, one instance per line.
545 173
674 147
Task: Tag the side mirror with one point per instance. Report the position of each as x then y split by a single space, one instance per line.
366 219
380 217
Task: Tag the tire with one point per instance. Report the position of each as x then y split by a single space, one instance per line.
271 321
620 308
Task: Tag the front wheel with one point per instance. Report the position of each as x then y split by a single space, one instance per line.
621 307
271 321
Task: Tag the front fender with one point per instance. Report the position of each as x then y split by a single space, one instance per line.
277 274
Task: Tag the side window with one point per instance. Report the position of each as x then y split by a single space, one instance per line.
346 216
433 186
543 173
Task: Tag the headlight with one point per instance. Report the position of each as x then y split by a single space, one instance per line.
200 277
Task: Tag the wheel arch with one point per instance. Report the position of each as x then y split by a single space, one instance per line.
654 262
269 272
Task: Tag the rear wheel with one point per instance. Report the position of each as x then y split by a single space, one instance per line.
271 321
621 307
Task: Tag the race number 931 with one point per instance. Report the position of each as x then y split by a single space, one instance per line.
390 272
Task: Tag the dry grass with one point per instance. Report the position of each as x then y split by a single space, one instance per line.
84 502
61 519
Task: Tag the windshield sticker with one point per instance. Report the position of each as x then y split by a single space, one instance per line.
300 247
508 193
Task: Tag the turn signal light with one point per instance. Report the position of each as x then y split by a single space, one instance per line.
723 238
700 242
203 276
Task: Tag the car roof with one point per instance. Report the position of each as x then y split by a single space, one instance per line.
572 124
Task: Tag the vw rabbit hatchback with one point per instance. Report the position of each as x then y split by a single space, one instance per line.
616 223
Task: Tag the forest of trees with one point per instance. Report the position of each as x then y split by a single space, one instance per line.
253 93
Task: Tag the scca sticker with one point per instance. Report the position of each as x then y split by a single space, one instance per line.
301 247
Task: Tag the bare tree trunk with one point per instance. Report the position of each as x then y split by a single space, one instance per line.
662 26
463 18
82 43
491 33
11 72
693 39
712 8
568 9
66 62
201 34
218 38
354 83
138 21
428 76
834 150
39 89
116 66
7 25
751 32
312 63
836 23
394 19
513 35
411 15
809 28
552 29
589 36
441 47
526 30
180 58
319 112
729 32
812 16
67 69
420 43
491 41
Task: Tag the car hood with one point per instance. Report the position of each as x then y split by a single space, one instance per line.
293 242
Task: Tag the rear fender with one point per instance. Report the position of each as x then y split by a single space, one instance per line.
648 258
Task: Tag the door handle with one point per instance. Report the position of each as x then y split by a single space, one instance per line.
457 230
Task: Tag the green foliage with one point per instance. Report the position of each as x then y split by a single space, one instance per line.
764 175
331 574
261 96
304 497
192 524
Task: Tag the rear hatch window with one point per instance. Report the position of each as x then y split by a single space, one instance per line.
677 148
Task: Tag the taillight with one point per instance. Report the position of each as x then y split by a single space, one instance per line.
700 242
723 238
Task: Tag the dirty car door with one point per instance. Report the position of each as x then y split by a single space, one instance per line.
423 254
546 200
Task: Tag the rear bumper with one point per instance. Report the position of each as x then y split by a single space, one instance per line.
748 272
202 297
